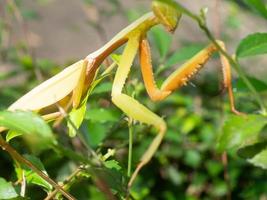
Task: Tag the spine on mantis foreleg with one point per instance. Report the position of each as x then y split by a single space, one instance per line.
187 71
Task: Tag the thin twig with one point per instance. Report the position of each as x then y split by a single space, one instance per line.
16 156
79 134
130 154
68 180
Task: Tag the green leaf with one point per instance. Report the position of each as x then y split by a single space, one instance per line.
259 85
112 164
76 117
32 177
239 131
102 115
33 128
103 88
176 177
162 40
192 158
116 58
214 168
7 191
258 5
254 44
12 134
251 150
111 177
97 132
183 54
260 160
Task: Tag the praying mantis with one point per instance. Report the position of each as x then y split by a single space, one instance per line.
68 88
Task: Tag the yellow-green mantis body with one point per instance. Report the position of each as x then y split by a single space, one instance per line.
67 88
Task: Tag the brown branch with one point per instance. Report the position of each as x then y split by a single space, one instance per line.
16 156
68 180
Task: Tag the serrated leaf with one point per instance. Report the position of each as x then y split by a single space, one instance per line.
254 44
162 40
31 126
258 5
260 160
239 131
183 54
32 177
7 191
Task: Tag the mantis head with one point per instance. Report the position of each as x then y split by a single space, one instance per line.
166 13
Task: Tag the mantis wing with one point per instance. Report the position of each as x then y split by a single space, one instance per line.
50 91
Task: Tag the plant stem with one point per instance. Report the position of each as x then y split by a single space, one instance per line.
202 24
130 154
67 181
16 156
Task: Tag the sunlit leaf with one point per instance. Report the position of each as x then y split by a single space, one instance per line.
28 124
12 134
260 160
7 191
239 131
76 117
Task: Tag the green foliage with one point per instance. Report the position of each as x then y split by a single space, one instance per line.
254 44
90 148
259 6
162 40
183 54
76 117
30 176
33 128
241 131
259 85
7 191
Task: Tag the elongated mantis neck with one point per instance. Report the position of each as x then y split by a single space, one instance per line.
137 28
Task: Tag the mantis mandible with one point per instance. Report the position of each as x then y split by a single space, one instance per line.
69 87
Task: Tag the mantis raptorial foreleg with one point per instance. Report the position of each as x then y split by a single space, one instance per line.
182 75
132 107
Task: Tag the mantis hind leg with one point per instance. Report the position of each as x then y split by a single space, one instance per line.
183 74
132 107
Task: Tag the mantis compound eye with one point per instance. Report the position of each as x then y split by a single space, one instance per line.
166 13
